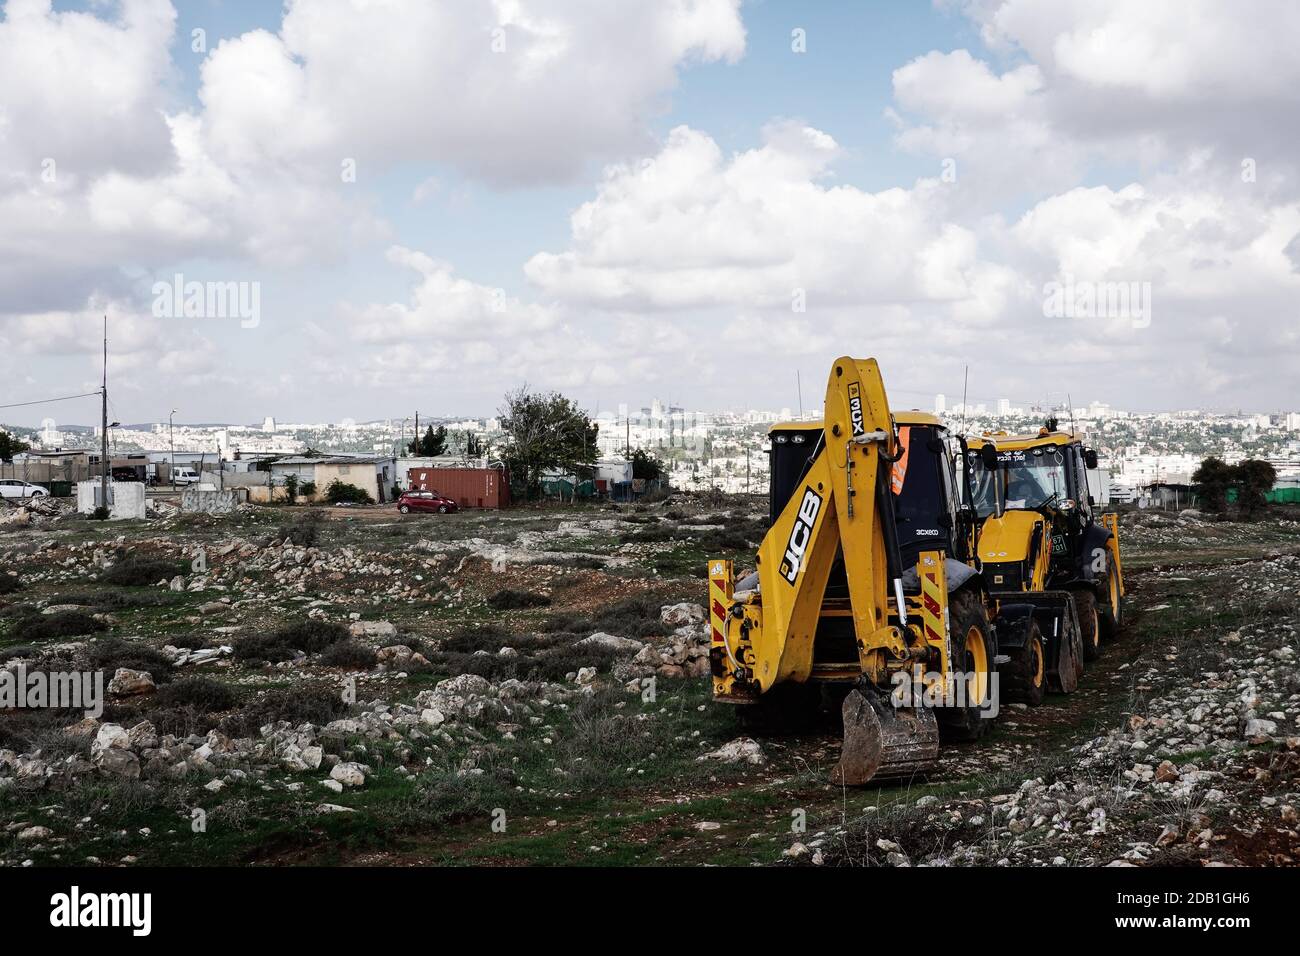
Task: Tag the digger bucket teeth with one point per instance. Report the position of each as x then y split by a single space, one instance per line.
881 741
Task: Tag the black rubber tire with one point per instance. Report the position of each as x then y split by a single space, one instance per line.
442 509
1024 680
1085 605
1112 612
967 614
404 509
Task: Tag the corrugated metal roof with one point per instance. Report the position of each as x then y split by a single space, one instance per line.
333 460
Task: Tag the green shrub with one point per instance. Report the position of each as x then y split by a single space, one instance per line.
349 654
192 641
48 627
632 617
263 649
312 635
142 572
309 636
554 664
116 600
340 492
9 583
507 600
28 729
651 535
110 653
181 721
486 637
201 694
317 704
308 489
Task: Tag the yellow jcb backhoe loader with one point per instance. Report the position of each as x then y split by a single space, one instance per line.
854 600
1050 562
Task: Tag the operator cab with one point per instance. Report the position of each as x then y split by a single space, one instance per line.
924 489
792 448
1047 473
923 486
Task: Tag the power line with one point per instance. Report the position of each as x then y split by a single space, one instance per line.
46 401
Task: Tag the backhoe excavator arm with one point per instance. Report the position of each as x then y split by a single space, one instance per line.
840 507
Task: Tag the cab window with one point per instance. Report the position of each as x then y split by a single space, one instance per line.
920 497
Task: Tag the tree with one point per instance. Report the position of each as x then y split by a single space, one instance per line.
11 445
545 430
1253 480
646 465
1212 480
433 444
339 491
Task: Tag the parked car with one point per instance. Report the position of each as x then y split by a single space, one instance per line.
13 488
186 476
425 501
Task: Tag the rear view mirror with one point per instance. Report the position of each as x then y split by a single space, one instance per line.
989 456
1090 458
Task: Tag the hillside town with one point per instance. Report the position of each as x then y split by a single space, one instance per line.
1144 456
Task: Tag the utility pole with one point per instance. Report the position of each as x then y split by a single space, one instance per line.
417 434
103 431
171 441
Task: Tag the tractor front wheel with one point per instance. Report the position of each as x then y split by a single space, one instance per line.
1027 675
1112 614
1085 603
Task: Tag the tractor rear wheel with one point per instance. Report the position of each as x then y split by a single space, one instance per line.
972 661
1085 603
1026 677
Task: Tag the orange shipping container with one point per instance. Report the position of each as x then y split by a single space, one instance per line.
468 487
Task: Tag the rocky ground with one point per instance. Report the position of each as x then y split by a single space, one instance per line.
351 685
1199 759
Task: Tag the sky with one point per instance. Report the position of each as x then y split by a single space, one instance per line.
374 207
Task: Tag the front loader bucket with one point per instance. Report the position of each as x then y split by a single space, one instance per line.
882 741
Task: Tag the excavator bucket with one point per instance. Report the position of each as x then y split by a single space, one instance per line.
882 741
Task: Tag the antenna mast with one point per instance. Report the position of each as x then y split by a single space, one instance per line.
103 430
965 381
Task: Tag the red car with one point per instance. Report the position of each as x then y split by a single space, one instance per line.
425 501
